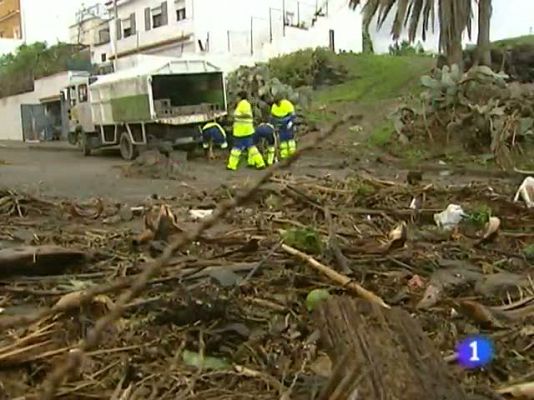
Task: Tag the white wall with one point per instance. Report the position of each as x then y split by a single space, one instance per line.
10 112
236 32
87 32
178 30
230 31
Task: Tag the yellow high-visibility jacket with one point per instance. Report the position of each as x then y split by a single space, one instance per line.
243 121
285 109
214 125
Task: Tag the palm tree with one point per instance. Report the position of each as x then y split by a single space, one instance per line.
483 41
454 17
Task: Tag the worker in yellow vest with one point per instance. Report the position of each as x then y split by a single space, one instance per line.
213 134
283 116
244 136
265 137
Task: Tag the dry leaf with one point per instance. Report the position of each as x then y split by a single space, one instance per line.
491 229
480 313
397 237
524 391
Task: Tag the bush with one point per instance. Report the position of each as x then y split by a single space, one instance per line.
406 49
313 68
19 70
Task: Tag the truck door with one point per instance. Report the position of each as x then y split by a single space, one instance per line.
65 106
35 123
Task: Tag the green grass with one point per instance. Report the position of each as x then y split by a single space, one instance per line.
381 135
519 40
375 78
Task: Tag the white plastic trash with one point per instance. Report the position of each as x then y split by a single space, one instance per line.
200 214
526 192
450 217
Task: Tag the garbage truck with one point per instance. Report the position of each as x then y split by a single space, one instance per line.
159 102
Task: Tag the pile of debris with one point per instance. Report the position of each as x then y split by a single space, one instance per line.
155 164
478 109
516 60
257 306
293 76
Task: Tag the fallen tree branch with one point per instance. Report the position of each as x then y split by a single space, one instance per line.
75 357
333 246
340 279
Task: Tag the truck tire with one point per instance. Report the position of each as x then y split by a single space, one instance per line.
128 150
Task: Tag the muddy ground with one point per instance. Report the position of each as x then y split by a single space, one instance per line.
65 172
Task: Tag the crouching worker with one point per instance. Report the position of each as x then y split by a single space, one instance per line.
213 134
243 136
283 115
265 136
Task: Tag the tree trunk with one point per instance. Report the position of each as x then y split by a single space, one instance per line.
483 41
380 354
454 50
367 42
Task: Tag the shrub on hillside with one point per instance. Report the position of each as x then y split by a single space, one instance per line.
318 67
29 62
479 109
406 49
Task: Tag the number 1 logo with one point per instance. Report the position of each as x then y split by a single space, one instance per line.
475 352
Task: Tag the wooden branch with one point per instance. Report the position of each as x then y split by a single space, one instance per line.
333 246
380 354
338 278
38 260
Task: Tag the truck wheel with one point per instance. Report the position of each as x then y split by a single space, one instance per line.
127 148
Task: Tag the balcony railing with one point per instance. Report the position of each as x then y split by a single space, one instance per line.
142 38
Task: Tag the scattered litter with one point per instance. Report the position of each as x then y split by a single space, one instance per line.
200 214
416 283
450 217
526 192
238 296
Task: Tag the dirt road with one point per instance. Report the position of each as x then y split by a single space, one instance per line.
68 174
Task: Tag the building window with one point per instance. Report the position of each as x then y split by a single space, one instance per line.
179 6
180 14
157 17
290 18
128 26
82 93
103 57
103 36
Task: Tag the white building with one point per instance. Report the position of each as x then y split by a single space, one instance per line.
91 27
229 32
35 115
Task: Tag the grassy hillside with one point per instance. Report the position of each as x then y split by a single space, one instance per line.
376 77
375 85
519 40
